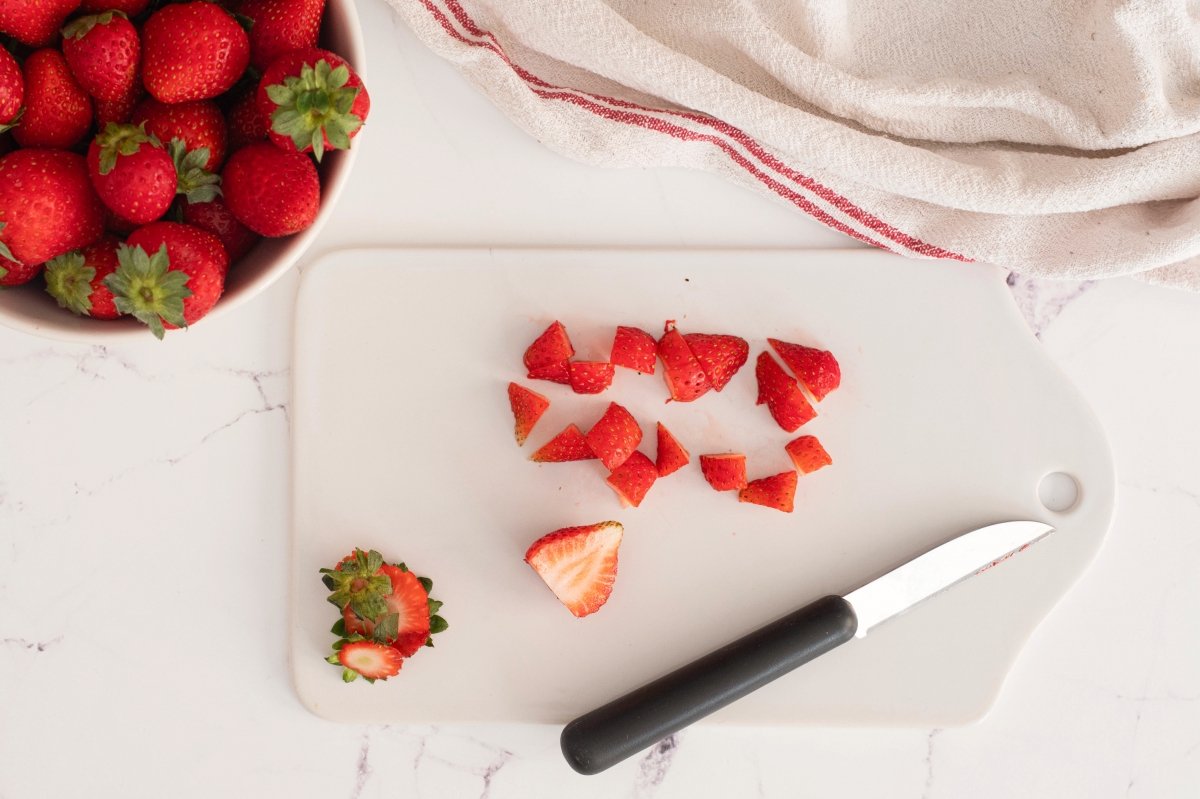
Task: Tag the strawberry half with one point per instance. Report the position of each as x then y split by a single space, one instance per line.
671 455
808 454
724 472
370 660
817 369
782 395
777 491
589 377
579 564
633 479
552 349
527 407
720 356
683 374
615 436
569 445
635 349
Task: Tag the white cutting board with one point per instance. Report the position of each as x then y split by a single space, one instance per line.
948 416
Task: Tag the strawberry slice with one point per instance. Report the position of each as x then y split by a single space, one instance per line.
551 347
724 472
569 445
782 394
777 491
635 349
409 601
671 455
579 564
615 436
683 374
808 454
633 479
555 372
817 369
590 377
720 356
527 407
369 659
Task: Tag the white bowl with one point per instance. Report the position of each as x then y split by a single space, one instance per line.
29 308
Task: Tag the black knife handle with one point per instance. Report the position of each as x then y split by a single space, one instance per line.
606 736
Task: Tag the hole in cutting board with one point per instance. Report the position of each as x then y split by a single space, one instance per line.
1058 491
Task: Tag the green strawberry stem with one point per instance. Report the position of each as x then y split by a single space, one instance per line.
359 585
195 182
6 254
69 281
146 287
81 27
117 139
315 106
12 123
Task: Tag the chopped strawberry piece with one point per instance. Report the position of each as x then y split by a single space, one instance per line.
409 602
633 479
552 347
569 445
724 472
555 372
635 349
683 374
777 491
783 396
590 377
579 564
720 356
527 407
369 659
808 454
615 436
671 455
817 369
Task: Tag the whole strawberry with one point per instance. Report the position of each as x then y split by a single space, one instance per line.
132 173
198 124
130 8
103 52
313 100
271 191
58 112
246 124
281 26
76 279
215 217
12 90
47 208
169 275
192 51
34 22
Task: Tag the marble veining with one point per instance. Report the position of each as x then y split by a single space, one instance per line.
654 765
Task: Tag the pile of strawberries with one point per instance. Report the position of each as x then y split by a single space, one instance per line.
579 563
157 141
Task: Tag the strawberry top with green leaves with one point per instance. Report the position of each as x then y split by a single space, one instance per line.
192 51
58 112
280 26
132 173
76 280
313 101
193 180
131 8
103 51
12 90
34 22
271 191
198 124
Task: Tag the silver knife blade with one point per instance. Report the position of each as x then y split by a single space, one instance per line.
939 568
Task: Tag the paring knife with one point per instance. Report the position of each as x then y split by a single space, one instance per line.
606 736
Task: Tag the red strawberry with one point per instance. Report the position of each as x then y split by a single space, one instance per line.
313 101
170 275
192 51
671 455
615 436
569 445
246 125
781 393
215 217
47 207
632 479
683 373
120 110
58 111
407 599
133 175
777 491
198 124
817 369
130 8
270 191
281 26
634 349
589 377
579 564
527 407
34 22
370 660
724 472
103 52
808 454
720 356
76 279
550 349
12 90
556 373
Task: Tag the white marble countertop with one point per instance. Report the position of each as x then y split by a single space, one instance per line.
144 529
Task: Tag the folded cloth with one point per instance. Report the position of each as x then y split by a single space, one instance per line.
1058 139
